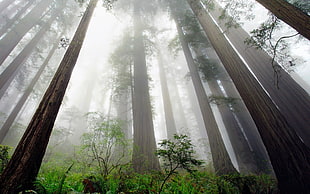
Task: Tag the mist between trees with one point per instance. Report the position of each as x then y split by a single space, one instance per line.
104 83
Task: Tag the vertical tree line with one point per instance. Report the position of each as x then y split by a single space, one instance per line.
24 165
289 155
279 112
144 142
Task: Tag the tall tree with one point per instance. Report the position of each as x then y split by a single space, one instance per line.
24 165
283 94
9 73
220 157
243 135
11 21
11 39
122 61
290 14
289 156
169 117
177 106
12 116
144 158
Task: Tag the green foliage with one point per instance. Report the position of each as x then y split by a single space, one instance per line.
122 61
54 177
61 183
105 144
4 156
177 154
174 46
302 5
209 4
207 67
234 10
262 35
277 47
220 100
126 181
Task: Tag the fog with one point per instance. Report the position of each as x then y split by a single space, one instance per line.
91 86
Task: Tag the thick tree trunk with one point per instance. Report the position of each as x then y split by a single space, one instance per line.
10 72
10 22
289 156
144 158
26 160
9 121
11 39
169 118
249 150
248 147
283 94
221 160
291 15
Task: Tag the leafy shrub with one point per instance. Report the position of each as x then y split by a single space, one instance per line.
177 154
4 156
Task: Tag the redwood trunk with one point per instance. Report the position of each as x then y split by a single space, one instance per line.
26 160
221 160
9 73
10 22
289 156
290 14
9 121
11 39
144 158
283 94
169 118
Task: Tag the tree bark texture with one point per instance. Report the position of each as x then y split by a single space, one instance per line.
26 160
290 14
10 72
11 39
287 94
144 158
221 160
248 147
289 156
9 121
246 142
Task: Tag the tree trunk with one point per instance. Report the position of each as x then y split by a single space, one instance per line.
248 147
144 158
122 112
169 118
290 14
11 39
8 13
10 72
283 94
9 121
221 161
177 106
10 22
289 156
26 160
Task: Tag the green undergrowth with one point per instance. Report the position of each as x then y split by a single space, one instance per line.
55 177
